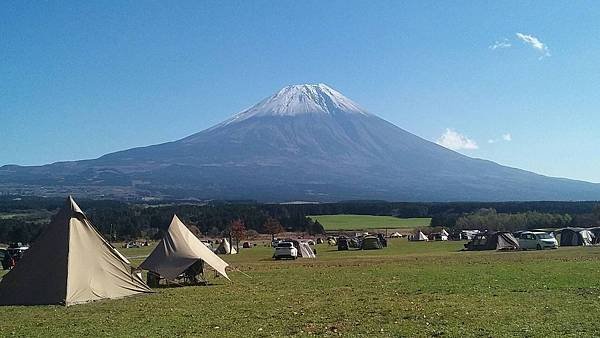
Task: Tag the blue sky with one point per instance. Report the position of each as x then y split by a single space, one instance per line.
81 79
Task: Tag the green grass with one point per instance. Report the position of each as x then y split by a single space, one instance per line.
365 222
408 289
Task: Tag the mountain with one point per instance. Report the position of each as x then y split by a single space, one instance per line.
306 142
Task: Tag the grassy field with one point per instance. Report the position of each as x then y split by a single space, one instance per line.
365 222
407 289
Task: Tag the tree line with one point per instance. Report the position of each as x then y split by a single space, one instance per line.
123 221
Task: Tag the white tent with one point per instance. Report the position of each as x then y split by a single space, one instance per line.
419 236
178 250
225 248
306 251
70 263
444 233
396 235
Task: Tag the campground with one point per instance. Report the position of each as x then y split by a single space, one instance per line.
406 289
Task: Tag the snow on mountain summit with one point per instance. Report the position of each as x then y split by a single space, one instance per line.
302 99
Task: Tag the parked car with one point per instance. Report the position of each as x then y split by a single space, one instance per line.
285 250
537 240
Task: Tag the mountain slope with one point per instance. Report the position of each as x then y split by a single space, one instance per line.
306 142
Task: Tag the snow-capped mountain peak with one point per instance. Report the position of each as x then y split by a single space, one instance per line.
302 99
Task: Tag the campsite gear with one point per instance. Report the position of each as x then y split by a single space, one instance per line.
70 263
396 235
574 237
153 279
225 248
179 250
306 251
382 240
193 271
319 240
370 243
491 240
5 259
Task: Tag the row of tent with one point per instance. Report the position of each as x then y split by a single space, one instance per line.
419 236
502 240
71 263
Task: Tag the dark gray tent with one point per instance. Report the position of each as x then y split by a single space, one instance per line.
370 243
491 240
574 237
596 232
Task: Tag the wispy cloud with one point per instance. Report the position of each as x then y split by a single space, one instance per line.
504 43
451 139
535 43
504 137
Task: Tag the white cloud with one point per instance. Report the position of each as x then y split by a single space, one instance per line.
535 43
491 141
507 137
456 141
500 44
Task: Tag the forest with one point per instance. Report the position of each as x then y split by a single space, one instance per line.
23 218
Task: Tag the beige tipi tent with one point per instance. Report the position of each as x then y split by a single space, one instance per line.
178 250
225 248
419 236
70 263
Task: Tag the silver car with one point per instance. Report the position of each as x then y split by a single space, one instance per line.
537 240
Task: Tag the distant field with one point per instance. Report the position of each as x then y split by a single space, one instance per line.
364 222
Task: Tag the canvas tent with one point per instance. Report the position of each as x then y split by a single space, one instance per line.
225 248
574 237
493 241
444 233
306 251
70 263
419 236
396 235
178 250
